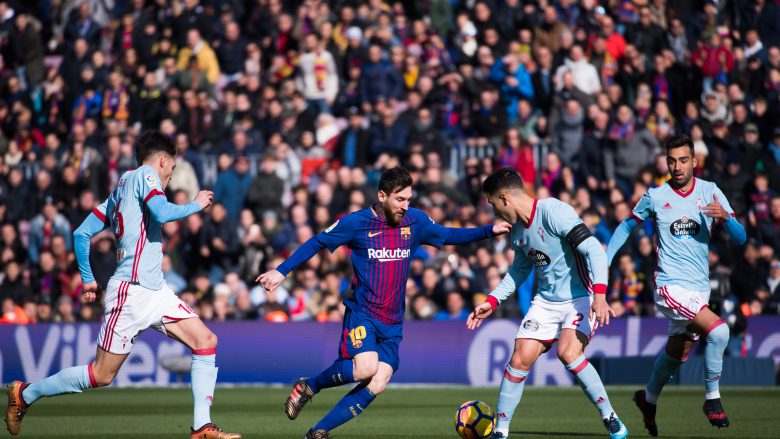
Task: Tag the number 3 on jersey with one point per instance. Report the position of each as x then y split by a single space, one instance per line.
356 336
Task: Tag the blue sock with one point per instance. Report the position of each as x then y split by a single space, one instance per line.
70 380
591 384
509 396
204 378
663 370
717 340
337 374
350 406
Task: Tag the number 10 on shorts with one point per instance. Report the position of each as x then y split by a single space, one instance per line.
356 336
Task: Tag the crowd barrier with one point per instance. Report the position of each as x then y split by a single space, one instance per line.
276 353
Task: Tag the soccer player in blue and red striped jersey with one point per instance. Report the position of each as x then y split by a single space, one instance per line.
383 239
685 211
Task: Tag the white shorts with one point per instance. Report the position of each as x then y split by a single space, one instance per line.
545 320
680 306
130 309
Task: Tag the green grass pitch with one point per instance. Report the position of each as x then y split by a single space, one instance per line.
399 413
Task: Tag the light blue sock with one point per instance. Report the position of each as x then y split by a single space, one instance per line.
717 340
509 395
664 368
337 374
70 380
350 406
591 384
204 378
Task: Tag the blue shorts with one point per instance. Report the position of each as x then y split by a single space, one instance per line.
362 333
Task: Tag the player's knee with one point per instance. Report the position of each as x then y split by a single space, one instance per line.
207 341
365 370
568 354
518 362
719 334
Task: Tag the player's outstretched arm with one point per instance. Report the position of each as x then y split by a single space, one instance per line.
458 236
273 278
642 211
620 237
163 211
82 237
517 274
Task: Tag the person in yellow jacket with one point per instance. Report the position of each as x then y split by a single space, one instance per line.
207 59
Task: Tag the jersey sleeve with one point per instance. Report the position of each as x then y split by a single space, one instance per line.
339 233
95 223
517 274
561 219
432 233
643 209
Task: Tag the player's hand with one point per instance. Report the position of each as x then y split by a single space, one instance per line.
481 312
501 228
89 292
204 198
715 210
270 280
601 308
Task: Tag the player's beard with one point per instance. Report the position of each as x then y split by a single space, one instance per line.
686 178
393 217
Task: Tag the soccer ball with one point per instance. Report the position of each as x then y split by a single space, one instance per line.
474 420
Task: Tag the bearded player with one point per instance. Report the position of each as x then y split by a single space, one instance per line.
685 211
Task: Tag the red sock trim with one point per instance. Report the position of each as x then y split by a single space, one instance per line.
210 351
579 368
92 380
713 326
513 378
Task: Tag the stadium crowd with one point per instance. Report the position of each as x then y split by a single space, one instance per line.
289 112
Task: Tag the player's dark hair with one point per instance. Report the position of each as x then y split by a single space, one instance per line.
504 178
152 142
678 141
394 180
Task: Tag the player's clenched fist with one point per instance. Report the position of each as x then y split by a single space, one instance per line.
480 313
204 198
270 280
89 292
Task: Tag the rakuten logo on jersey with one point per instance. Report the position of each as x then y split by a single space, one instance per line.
386 255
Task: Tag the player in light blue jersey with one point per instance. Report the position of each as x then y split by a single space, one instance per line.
136 296
685 211
571 269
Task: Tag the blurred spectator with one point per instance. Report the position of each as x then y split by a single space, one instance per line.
456 308
44 227
318 80
232 187
265 192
